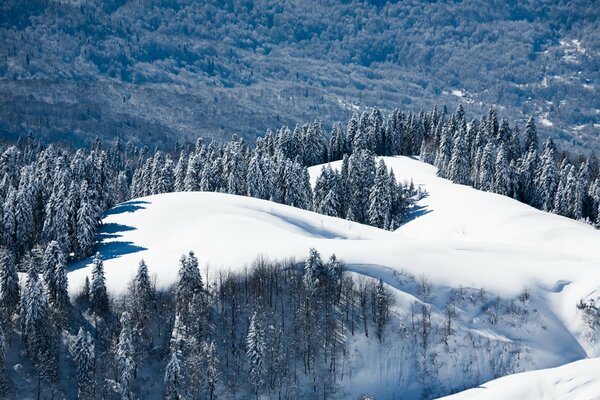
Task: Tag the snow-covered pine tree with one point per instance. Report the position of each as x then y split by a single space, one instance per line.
173 380
380 199
55 279
338 145
4 379
531 135
180 171
382 301
487 170
255 351
98 295
444 153
502 183
255 179
189 295
9 286
142 297
36 331
548 179
459 169
88 217
126 366
361 175
82 353
193 173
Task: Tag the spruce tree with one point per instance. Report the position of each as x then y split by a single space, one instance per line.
98 294
381 308
173 380
126 367
83 356
531 136
142 296
548 179
380 199
9 285
255 351
502 183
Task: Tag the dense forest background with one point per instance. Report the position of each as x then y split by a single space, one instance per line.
173 70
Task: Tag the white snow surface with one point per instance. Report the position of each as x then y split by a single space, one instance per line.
574 381
459 237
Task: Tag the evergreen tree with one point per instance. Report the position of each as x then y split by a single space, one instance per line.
255 180
98 294
180 172
380 199
4 379
337 144
9 285
502 183
173 380
459 167
126 366
82 353
361 176
255 351
142 296
87 222
548 179
381 308
55 279
487 168
531 136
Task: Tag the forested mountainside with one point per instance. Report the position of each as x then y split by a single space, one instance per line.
172 70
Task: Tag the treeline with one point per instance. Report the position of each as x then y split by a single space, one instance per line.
276 329
55 193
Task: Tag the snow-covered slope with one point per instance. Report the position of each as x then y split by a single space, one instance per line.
460 240
575 381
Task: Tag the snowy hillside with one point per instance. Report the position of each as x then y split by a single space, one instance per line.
512 274
574 381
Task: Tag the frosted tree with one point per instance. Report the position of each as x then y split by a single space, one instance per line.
4 379
459 169
361 175
82 353
380 199
193 173
126 366
180 172
444 153
173 380
36 330
338 145
531 136
142 296
330 205
98 294
255 351
315 146
487 168
55 279
502 180
255 179
548 179
314 272
527 176
382 300
190 295
87 222
9 285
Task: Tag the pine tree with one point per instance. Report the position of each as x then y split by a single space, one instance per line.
193 173
502 183
338 144
255 351
361 175
487 168
126 366
82 353
55 279
180 172
548 179
36 330
531 136
173 380
255 179
142 296
380 199
98 294
9 285
381 308
459 170
189 295
4 379
87 222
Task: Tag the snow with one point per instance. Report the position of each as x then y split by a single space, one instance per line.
457 237
458 93
574 381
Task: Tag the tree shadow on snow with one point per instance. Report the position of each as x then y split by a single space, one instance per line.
127 207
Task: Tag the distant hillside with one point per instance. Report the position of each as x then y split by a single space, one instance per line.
160 71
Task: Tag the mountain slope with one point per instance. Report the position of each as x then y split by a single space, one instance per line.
478 251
